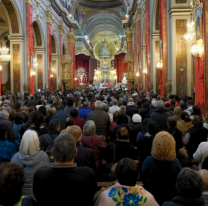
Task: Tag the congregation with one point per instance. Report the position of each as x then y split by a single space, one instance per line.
102 148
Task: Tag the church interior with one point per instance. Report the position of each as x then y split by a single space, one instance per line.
146 45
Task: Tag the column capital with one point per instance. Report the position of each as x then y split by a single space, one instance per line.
133 27
129 37
61 29
48 16
71 38
28 2
139 14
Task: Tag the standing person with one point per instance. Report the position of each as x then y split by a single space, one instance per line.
114 107
69 106
160 171
190 104
64 179
160 115
77 120
31 159
61 115
100 118
131 108
84 110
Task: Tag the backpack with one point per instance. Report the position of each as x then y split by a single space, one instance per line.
48 149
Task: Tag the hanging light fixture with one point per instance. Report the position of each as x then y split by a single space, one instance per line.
4 54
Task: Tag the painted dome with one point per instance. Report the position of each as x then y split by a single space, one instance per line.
105 52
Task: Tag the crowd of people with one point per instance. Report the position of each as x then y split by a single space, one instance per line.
54 149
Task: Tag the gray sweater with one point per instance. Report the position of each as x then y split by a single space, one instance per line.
31 164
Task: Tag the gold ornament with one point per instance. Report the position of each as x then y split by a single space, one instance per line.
129 36
48 16
71 38
139 14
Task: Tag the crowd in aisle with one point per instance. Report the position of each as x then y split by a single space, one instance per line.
143 148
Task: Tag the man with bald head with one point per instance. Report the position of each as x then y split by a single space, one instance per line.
131 108
101 119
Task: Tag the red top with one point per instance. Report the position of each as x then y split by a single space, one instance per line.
169 102
79 121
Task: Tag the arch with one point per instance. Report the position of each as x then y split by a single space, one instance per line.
15 21
53 45
37 34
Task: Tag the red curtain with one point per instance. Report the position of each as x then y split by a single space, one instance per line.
30 28
120 67
83 61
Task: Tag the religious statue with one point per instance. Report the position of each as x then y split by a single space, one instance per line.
124 81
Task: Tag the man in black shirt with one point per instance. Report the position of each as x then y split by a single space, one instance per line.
64 183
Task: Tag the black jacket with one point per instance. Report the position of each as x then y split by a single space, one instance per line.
177 134
161 117
10 132
64 185
131 110
102 121
85 157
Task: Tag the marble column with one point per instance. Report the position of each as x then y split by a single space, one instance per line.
72 67
29 42
61 32
147 43
49 49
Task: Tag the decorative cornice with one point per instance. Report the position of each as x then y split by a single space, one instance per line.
133 26
71 38
48 16
61 29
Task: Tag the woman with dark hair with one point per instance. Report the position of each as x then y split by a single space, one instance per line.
159 171
185 159
7 149
184 123
195 135
42 109
36 122
190 187
126 192
11 182
77 103
17 106
144 129
197 112
144 143
19 121
12 115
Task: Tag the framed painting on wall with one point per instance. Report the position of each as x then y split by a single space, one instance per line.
198 19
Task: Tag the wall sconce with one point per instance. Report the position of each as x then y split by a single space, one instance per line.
196 51
145 71
32 73
35 63
159 64
75 78
0 68
51 75
137 74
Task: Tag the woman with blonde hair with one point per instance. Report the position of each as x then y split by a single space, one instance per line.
31 158
77 103
177 112
57 100
160 171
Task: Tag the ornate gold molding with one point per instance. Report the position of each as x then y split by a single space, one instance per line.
129 37
61 30
139 13
133 26
71 38
48 16
28 2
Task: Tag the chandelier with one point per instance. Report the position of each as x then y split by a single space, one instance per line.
4 54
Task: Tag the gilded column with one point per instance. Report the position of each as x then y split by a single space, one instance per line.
49 50
147 42
29 44
61 32
72 67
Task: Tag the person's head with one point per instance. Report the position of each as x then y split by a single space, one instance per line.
75 131
204 174
144 125
189 103
4 114
171 122
122 109
74 113
122 133
127 172
115 116
167 105
38 119
30 143
153 103
11 182
69 121
177 112
189 184
105 108
122 118
112 174
31 110
42 109
136 118
85 104
131 100
163 147
52 111
12 114
89 128
153 127
98 105
139 102
124 102
17 105
171 96
50 101
184 157
60 107
160 104
115 102
55 125
64 149
196 110
185 117
3 132
197 121
70 102
19 118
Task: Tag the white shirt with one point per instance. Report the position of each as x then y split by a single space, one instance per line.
113 109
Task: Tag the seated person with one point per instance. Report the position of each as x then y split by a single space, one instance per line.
7 149
190 186
126 192
11 182
64 183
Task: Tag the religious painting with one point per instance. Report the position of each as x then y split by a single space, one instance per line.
40 71
181 58
198 22
16 67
